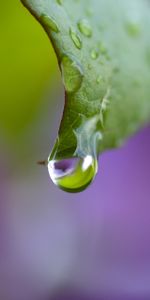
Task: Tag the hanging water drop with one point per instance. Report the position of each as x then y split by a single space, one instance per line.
85 28
49 22
73 174
75 38
72 73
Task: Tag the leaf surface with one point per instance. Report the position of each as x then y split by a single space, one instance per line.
103 50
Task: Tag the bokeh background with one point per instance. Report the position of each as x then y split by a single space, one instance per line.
53 245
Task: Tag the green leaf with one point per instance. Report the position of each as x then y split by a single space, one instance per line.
103 50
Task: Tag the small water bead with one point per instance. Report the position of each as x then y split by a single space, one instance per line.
75 38
73 174
72 73
50 22
94 54
85 28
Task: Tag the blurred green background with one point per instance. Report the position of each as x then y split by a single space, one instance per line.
27 79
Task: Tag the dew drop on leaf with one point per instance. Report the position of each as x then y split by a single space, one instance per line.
85 27
73 174
75 38
50 22
72 73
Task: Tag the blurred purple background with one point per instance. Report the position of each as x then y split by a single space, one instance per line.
95 243
57 246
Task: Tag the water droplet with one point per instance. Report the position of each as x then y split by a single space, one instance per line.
85 28
73 174
75 38
60 2
50 22
76 172
94 54
72 73
132 28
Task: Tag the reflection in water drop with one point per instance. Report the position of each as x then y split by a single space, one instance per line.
73 174
72 73
85 28
75 38
49 22
76 172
